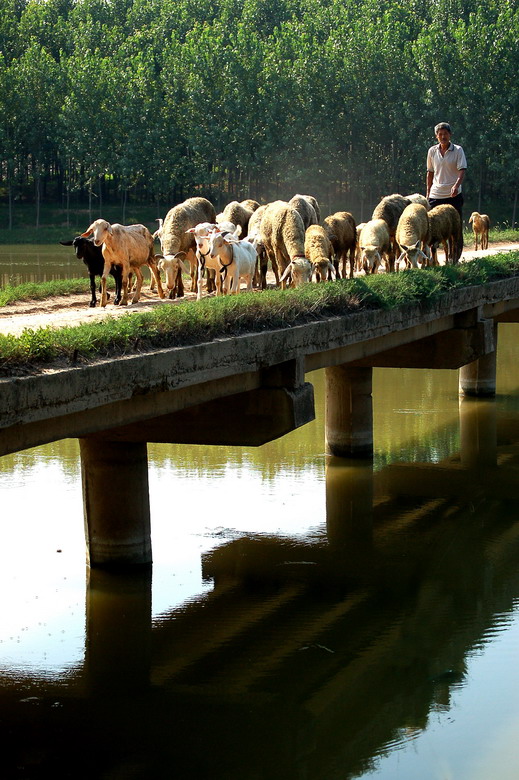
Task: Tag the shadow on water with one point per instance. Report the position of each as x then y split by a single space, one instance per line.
308 658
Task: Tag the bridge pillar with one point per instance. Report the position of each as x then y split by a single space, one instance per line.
116 502
479 377
349 411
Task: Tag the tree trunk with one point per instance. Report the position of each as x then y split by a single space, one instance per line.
37 173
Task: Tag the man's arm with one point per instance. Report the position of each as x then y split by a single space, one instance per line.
456 186
428 183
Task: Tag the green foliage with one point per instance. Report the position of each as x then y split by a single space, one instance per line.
197 322
259 98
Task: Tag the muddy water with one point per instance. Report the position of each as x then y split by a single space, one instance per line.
305 617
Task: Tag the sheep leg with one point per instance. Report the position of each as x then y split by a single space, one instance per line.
155 277
138 284
352 261
124 284
93 299
106 271
179 286
211 280
200 263
117 274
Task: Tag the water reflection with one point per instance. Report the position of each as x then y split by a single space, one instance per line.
307 617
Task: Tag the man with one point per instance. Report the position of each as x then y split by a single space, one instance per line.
446 166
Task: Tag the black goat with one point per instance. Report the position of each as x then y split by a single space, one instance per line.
92 257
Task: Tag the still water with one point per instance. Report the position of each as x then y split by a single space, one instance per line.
20 263
306 617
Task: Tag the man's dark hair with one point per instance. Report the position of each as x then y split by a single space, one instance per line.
442 126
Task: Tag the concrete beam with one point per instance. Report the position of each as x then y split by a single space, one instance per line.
448 349
245 419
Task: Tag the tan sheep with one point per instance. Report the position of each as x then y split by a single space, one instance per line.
254 236
374 245
178 246
319 250
480 226
250 204
239 214
283 235
342 232
411 235
305 209
445 228
390 209
128 246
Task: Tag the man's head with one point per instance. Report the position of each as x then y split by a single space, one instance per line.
443 132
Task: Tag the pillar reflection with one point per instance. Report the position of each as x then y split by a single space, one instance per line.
118 631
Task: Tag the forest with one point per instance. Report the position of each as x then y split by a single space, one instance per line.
152 101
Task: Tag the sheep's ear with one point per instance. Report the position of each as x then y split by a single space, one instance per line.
185 267
332 269
87 233
66 243
417 244
160 264
401 257
191 230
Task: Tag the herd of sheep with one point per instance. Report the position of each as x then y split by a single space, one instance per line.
238 245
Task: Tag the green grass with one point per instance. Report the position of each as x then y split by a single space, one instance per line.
196 322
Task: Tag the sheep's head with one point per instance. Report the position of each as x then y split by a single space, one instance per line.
323 269
370 258
413 254
299 270
172 265
100 229
216 242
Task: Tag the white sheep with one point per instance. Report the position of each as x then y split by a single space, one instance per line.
416 197
128 246
202 234
237 260
480 226
412 235
374 245
358 230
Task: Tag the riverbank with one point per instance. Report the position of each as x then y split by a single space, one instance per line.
30 339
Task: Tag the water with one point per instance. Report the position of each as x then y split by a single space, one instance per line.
307 617
20 263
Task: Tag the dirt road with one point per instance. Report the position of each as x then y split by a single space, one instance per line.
74 309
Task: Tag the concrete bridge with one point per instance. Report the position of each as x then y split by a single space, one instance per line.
244 390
